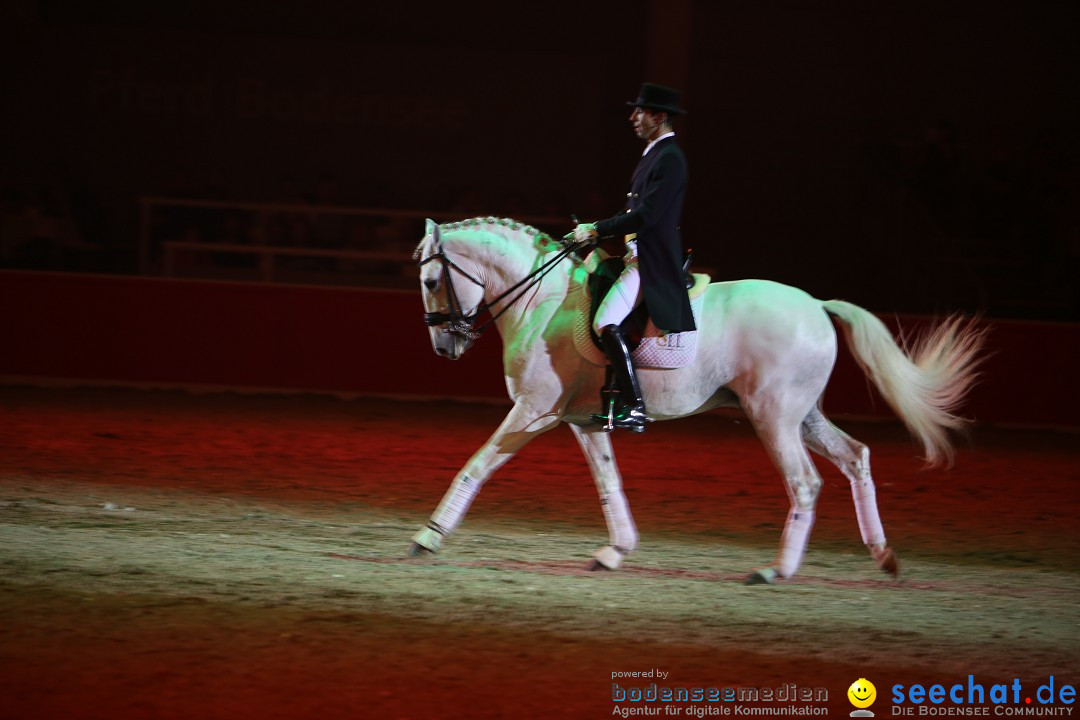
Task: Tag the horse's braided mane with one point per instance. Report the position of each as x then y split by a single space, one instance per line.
479 223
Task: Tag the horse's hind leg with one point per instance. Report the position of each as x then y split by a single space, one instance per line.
622 533
781 438
853 460
519 426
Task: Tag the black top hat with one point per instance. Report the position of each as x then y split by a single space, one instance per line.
658 97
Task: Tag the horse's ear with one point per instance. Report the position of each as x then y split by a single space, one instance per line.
432 228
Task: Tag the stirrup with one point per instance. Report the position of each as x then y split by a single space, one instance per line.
631 418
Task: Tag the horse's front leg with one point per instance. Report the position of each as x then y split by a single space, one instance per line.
622 533
520 426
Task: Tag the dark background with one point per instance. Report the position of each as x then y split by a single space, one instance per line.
909 157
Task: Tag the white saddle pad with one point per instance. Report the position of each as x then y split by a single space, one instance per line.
657 349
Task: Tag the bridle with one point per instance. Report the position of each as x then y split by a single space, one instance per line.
460 323
457 322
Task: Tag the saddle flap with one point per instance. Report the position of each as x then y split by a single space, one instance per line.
606 270
652 348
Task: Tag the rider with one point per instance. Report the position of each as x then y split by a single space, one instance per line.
649 226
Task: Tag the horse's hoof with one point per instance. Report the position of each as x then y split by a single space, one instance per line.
426 542
596 566
418 550
764 576
886 560
608 557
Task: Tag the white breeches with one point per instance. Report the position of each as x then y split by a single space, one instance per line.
620 301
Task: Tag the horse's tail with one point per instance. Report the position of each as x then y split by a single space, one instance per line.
923 382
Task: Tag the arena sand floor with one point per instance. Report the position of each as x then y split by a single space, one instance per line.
174 555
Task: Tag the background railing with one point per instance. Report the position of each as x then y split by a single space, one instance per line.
897 256
289 242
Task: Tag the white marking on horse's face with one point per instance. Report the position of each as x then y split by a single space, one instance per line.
435 296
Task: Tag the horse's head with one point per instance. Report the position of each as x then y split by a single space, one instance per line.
453 295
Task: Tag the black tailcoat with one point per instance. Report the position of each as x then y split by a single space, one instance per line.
653 208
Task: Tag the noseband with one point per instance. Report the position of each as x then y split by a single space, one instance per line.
457 322
461 324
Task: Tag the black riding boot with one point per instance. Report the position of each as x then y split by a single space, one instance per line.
630 414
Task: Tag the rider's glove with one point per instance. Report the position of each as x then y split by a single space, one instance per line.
585 232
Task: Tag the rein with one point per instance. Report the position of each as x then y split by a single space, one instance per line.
459 323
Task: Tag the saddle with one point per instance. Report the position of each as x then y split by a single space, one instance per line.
635 324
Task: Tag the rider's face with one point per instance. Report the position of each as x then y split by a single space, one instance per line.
647 123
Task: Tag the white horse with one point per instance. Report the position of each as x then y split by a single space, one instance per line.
764 347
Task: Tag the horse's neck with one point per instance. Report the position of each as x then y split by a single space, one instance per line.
505 262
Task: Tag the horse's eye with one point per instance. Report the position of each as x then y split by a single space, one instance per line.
431 284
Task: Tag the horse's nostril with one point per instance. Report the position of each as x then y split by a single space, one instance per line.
442 351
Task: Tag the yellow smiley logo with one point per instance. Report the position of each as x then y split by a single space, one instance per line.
862 693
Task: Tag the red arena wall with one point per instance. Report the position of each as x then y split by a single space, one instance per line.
161 332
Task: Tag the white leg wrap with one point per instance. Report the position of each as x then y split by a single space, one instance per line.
793 541
866 510
621 529
455 503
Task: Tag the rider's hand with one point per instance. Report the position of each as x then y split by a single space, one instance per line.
585 232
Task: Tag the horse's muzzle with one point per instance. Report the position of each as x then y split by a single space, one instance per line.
449 342
443 352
